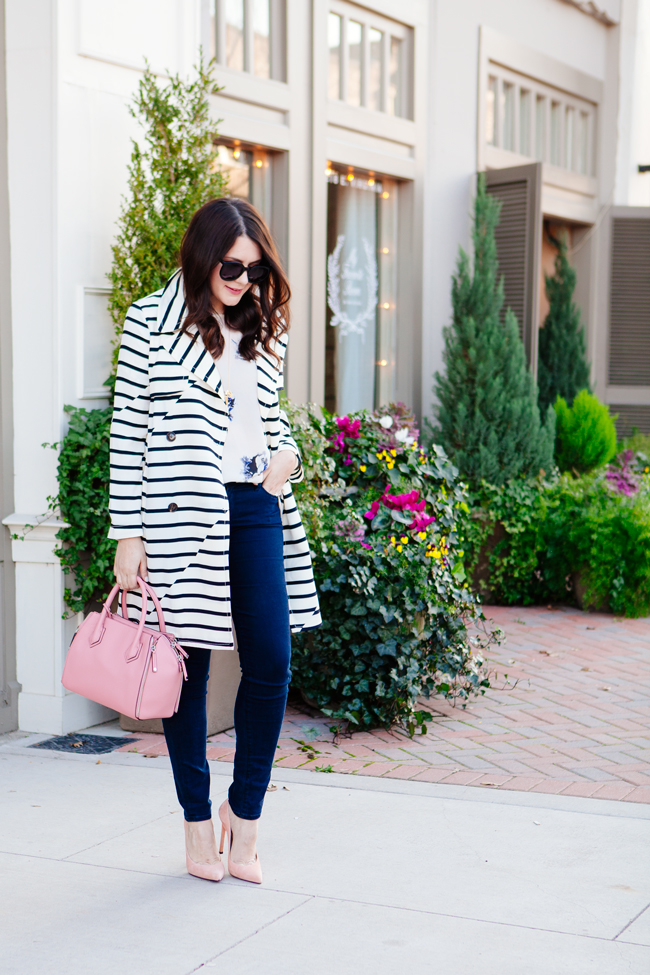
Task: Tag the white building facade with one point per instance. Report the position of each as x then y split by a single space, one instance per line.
358 130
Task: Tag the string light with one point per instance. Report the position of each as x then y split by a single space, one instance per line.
350 177
385 195
386 305
385 250
371 182
259 163
381 362
236 154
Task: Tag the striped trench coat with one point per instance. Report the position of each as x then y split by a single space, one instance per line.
167 437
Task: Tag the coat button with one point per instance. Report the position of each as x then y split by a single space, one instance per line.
173 506
171 436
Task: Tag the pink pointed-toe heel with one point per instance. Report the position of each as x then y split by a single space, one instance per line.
205 871
243 871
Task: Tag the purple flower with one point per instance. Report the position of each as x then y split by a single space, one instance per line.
366 545
349 428
421 522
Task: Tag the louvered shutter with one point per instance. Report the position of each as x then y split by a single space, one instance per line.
629 302
518 239
626 299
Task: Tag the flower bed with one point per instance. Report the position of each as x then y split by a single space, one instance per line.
384 520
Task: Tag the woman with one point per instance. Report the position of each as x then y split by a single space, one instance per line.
201 457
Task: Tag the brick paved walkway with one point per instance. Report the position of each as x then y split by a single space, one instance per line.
571 717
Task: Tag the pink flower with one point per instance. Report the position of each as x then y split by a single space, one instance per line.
374 508
366 545
349 428
421 522
347 461
405 502
338 443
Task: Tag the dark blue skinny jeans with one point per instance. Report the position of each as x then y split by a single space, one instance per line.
260 611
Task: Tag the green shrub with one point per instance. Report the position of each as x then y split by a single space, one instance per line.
390 575
504 538
562 368
86 551
603 534
585 434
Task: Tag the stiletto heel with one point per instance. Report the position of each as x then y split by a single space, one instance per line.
243 871
205 871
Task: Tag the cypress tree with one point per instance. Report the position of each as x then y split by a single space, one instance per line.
562 368
488 417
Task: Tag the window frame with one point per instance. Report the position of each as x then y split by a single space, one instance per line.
216 36
389 29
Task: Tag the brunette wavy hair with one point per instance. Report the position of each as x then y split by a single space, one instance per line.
262 314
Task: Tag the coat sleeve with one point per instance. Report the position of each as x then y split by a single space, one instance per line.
129 427
286 439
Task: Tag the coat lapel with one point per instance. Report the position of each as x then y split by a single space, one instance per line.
195 358
187 350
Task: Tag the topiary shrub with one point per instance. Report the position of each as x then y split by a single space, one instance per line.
389 570
488 420
585 434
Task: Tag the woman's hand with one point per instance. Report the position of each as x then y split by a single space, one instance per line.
282 466
130 562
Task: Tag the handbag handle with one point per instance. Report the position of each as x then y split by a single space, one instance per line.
156 602
146 591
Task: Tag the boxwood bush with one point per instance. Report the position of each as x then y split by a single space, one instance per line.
383 517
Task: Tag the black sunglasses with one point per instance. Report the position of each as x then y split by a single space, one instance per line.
232 270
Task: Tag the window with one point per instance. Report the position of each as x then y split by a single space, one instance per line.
248 35
361 291
249 173
370 62
537 121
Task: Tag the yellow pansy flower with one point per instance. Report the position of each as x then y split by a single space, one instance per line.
362 468
399 548
404 539
422 535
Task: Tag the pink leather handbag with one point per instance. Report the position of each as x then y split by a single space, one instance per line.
126 666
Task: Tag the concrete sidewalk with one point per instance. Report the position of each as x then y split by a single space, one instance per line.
362 875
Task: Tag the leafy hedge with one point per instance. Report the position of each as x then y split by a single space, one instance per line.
383 519
567 539
83 475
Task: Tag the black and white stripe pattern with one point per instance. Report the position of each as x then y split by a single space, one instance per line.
167 438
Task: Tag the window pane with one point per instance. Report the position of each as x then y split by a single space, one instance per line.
234 15
556 133
524 123
508 141
374 73
352 292
490 112
583 143
334 42
568 138
262 38
395 83
354 62
236 165
540 127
